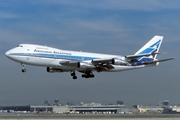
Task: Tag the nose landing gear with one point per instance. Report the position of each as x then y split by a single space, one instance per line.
23 68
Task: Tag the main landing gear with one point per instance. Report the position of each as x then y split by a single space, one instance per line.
73 74
23 68
86 74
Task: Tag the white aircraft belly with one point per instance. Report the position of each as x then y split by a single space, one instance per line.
124 68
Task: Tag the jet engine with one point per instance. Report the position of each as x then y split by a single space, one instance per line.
119 62
85 65
53 70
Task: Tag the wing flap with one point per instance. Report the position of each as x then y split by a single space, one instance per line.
103 67
103 64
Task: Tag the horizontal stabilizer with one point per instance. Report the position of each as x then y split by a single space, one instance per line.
155 61
140 55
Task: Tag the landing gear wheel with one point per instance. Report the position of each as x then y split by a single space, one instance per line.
88 75
23 70
92 75
73 74
83 75
74 77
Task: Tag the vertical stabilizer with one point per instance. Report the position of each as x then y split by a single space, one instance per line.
152 46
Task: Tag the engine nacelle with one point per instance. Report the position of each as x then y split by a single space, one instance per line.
52 70
119 62
85 65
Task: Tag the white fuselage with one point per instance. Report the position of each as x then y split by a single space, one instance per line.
38 55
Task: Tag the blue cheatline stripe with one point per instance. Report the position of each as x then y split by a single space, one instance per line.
68 57
55 56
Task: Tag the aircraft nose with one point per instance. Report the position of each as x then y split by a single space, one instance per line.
7 53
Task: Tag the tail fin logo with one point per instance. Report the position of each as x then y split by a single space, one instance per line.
156 45
151 49
152 46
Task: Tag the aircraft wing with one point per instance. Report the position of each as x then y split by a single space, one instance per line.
101 61
97 64
69 63
155 61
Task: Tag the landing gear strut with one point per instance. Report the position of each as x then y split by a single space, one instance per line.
73 74
23 68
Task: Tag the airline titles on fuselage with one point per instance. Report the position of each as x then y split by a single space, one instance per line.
53 52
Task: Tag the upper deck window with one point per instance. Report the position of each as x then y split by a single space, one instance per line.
19 46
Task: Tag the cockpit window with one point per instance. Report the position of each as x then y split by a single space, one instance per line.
19 46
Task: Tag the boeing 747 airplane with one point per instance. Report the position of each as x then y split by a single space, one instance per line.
57 60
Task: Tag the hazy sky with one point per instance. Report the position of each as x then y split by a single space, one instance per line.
106 26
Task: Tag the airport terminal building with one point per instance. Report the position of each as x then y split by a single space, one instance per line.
93 108
100 109
103 109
